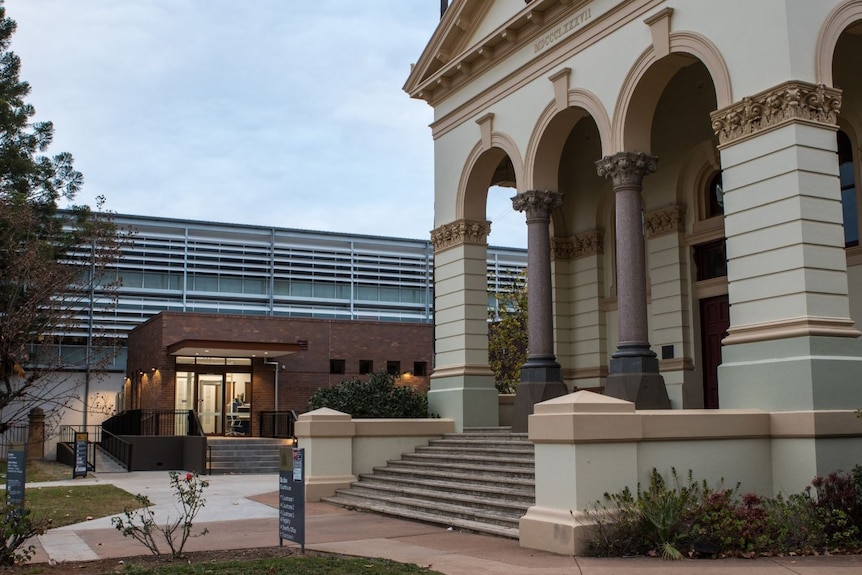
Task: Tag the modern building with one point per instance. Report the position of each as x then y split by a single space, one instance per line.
206 303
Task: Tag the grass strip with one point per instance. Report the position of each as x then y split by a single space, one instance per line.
74 504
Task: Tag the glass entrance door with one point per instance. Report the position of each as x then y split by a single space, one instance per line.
210 400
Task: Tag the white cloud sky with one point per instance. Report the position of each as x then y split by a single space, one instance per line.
270 112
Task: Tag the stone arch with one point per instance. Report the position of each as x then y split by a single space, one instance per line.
582 103
647 78
836 22
478 175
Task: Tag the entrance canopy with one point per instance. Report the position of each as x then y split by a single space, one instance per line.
221 348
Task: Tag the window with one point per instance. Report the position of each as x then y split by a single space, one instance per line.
710 260
420 368
393 367
714 202
336 366
847 174
366 366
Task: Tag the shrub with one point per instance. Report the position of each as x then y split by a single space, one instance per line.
16 528
140 524
376 398
689 517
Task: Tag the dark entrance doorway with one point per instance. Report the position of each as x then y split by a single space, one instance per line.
714 321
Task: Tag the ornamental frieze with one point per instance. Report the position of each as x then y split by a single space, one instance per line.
460 232
666 221
769 109
580 246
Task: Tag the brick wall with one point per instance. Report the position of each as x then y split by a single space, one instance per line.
300 373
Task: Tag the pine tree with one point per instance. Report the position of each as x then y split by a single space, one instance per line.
50 259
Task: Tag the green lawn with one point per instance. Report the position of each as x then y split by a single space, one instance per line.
68 505
40 471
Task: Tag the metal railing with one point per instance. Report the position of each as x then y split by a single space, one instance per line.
67 438
156 422
118 448
277 423
14 434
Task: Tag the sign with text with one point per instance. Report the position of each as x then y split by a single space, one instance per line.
81 447
291 496
16 467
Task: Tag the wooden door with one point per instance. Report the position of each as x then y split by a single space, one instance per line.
714 321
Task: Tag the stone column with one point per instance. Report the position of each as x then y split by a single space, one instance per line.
792 344
634 374
462 384
541 377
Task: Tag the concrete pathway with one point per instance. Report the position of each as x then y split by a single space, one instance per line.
241 512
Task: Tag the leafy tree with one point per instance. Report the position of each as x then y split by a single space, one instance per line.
51 260
507 333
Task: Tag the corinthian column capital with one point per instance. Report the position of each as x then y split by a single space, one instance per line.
537 204
626 168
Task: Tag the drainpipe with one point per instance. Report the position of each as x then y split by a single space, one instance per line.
275 423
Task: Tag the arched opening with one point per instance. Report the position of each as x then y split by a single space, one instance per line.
846 63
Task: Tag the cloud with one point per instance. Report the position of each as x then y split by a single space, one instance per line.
269 112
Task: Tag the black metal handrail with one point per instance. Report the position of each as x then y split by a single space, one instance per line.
159 422
67 436
277 423
117 447
194 425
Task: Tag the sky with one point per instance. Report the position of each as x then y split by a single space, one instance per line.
267 112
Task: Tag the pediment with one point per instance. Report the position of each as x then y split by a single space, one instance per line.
474 35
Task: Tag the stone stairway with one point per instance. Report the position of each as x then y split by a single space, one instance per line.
481 480
243 454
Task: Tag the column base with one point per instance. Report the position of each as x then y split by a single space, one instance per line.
541 380
471 400
803 373
645 390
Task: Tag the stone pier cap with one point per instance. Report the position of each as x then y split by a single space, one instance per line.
587 417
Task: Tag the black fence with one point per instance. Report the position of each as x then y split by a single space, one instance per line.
66 444
277 423
154 422
14 435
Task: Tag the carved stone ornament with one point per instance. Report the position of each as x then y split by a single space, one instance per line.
626 168
580 246
766 110
538 203
460 232
666 221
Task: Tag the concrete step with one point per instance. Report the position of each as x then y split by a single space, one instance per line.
526 464
459 495
482 480
463 476
524 493
433 518
430 512
244 454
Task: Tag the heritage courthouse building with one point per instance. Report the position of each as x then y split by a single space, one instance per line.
688 173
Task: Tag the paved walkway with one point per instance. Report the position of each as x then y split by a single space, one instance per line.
241 512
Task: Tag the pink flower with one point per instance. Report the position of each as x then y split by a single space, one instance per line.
189 476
